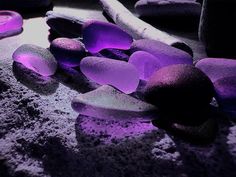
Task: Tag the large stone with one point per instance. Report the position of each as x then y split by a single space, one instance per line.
166 54
119 74
145 63
108 103
68 52
163 8
10 23
36 58
179 90
217 68
225 89
98 35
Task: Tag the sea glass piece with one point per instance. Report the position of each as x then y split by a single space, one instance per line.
98 35
217 68
119 74
166 54
10 23
107 102
68 52
145 63
226 94
36 58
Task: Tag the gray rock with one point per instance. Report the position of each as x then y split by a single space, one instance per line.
109 103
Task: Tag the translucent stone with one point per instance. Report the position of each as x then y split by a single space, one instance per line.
119 74
36 58
217 68
10 23
67 51
166 54
99 35
145 63
106 103
225 89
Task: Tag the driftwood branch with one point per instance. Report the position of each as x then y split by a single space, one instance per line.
138 28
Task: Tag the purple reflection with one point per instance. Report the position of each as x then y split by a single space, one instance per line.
99 35
10 23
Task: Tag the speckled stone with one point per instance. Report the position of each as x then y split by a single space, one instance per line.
119 74
36 58
68 52
217 68
98 35
166 54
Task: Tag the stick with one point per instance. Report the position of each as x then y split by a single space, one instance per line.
138 28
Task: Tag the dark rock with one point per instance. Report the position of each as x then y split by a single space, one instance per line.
119 74
36 58
226 94
61 23
114 54
166 54
98 35
10 23
179 90
217 68
67 51
217 28
22 4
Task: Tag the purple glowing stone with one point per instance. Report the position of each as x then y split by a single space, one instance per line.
145 63
107 103
119 74
10 23
67 51
99 35
225 89
217 68
38 59
166 54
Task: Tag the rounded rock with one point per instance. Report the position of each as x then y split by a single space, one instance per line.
10 23
36 58
179 89
98 35
68 52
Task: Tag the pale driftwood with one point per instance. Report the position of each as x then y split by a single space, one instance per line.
138 28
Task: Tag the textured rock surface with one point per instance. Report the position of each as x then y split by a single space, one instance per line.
179 89
166 54
68 52
145 63
119 74
168 8
109 103
36 58
41 136
10 23
217 68
98 35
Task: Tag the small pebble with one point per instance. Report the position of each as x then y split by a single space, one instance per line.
98 35
106 102
36 58
217 68
119 74
179 89
10 23
68 52
145 63
166 54
225 89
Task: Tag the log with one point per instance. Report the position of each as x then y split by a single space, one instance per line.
138 28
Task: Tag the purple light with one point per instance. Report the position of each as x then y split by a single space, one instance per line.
99 35
119 74
10 23
145 63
